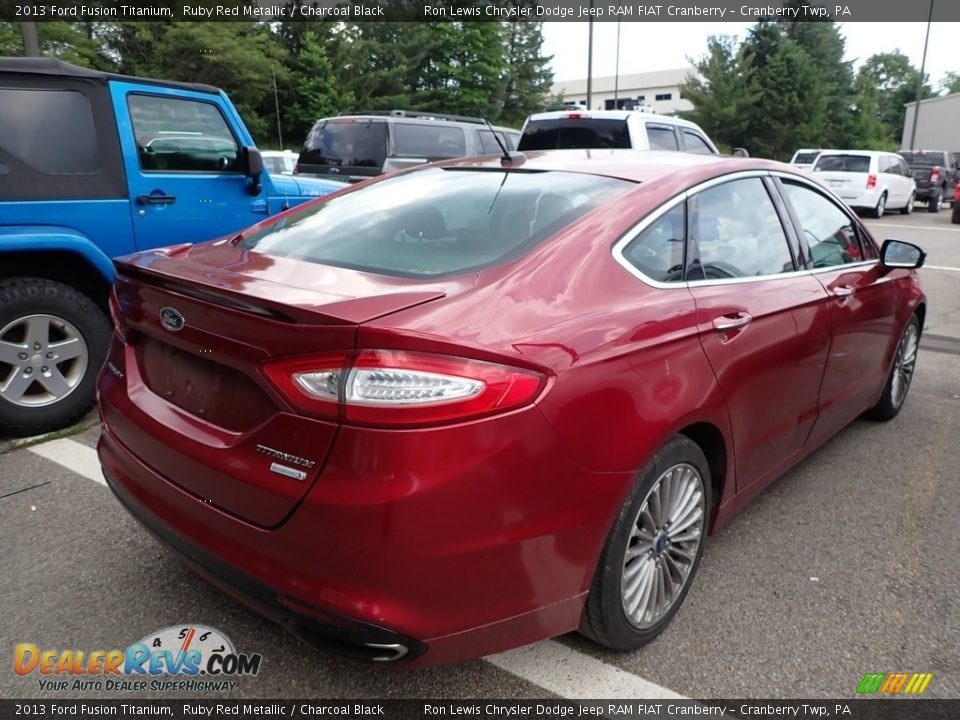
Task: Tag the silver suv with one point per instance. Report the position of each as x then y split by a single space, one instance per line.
356 147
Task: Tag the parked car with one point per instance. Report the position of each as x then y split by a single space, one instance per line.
279 162
805 158
868 180
355 147
613 129
94 165
480 403
936 175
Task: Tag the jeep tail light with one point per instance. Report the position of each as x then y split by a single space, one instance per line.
871 182
393 387
934 175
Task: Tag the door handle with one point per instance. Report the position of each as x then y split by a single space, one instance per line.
842 292
156 199
732 321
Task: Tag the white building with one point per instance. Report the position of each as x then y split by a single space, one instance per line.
660 91
939 126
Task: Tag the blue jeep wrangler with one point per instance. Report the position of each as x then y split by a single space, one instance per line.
92 166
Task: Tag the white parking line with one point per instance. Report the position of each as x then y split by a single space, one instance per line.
940 267
912 227
548 664
73 456
571 674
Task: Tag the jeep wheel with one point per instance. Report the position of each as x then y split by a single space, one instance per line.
934 203
53 340
955 215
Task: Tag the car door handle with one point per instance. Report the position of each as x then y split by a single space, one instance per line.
731 321
156 199
842 292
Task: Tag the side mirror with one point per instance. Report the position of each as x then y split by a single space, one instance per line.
900 254
254 169
740 152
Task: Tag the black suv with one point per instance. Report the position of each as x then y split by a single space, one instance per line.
936 174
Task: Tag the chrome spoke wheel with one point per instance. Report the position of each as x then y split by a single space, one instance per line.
43 358
662 549
903 365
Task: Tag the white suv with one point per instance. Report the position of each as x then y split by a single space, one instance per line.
578 129
868 180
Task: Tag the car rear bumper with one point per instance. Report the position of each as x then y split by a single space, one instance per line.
434 563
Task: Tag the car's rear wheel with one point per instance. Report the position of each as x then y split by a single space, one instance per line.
955 215
908 208
881 206
653 550
935 202
53 340
901 374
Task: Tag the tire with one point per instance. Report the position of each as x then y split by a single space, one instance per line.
908 208
607 617
878 211
934 203
71 335
955 214
901 374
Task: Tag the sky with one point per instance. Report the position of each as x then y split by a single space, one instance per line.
667 45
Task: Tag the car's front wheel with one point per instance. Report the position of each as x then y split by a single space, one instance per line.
653 550
901 374
53 340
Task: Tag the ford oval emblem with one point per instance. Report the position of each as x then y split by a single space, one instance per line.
171 319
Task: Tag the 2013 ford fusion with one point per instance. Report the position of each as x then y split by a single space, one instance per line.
481 403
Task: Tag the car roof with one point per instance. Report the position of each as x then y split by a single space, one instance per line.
611 115
865 153
634 165
419 117
59 68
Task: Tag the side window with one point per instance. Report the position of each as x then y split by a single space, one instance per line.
176 135
51 131
889 166
487 144
904 168
429 141
657 252
662 137
693 143
830 233
738 232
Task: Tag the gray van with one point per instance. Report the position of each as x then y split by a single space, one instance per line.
354 147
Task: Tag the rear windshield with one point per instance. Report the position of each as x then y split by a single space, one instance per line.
926 160
805 158
843 163
437 222
346 142
573 133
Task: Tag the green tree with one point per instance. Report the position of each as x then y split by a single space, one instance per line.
950 83
527 73
310 90
81 43
888 81
721 93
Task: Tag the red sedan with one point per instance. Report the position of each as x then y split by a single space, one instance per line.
477 404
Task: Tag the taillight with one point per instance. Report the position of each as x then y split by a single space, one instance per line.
871 182
934 175
574 116
394 387
296 169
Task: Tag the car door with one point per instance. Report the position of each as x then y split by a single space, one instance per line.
762 320
897 181
184 165
862 304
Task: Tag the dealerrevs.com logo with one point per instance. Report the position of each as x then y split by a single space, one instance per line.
190 658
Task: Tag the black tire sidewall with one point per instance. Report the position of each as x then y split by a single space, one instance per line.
31 296
618 632
884 409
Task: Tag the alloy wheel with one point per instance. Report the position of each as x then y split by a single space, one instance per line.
43 358
663 545
904 364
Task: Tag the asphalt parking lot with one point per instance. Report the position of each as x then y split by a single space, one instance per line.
847 565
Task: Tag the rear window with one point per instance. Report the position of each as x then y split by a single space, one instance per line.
354 143
926 160
433 142
843 163
573 133
437 222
